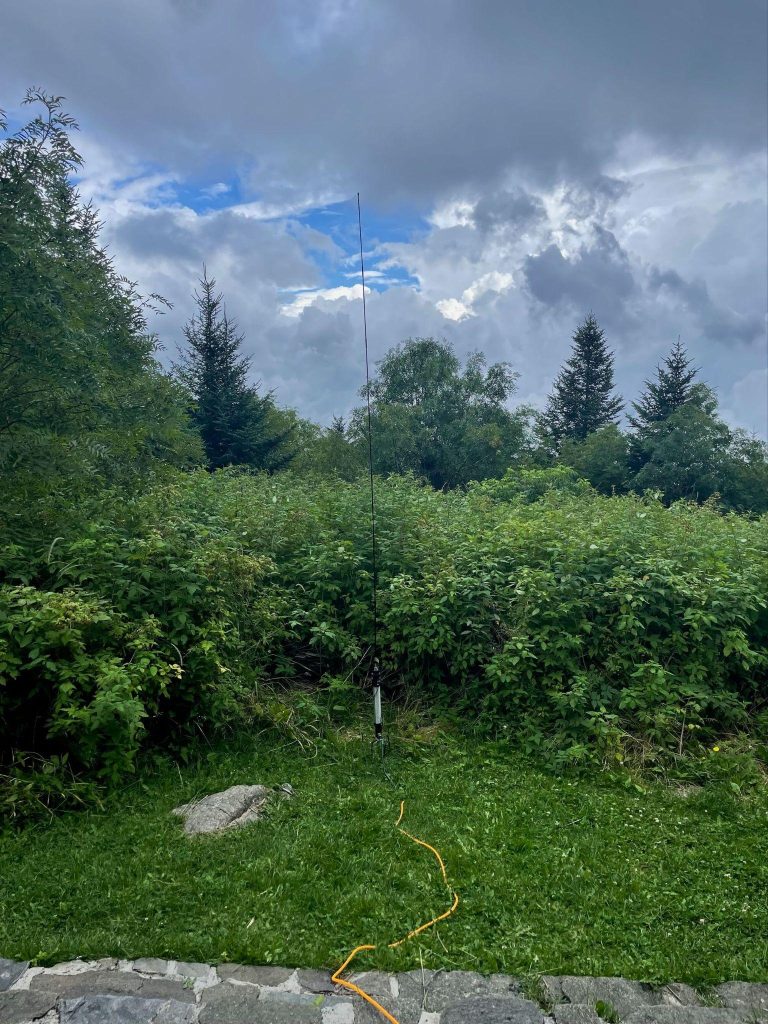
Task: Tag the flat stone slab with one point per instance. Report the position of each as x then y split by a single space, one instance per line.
743 995
102 1009
152 990
107 963
686 1015
402 997
501 1010
10 971
112 983
621 995
450 987
233 1004
232 808
318 981
21 1007
241 1004
151 965
270 976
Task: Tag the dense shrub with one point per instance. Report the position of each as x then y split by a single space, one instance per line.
582 624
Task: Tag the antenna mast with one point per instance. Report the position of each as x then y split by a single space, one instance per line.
375 672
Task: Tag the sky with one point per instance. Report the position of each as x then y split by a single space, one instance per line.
520 164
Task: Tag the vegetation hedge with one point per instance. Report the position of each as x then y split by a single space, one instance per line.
593 628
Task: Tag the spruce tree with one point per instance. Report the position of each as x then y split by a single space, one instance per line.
236 424
582 399
672 389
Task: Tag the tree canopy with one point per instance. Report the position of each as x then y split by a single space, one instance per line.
83 400
446 424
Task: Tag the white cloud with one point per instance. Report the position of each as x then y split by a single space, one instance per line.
219 188
453 309
459 309
315 295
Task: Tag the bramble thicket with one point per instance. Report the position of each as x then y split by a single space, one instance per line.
592 596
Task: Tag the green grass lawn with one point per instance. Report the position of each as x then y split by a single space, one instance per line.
556 874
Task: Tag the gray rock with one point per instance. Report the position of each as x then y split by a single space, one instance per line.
501 1010
229 1003
111 983
10 971
21 1007
743 995
107 963
254 975
685 1015
451 987
103 1009
505 984
305 999
280 1013
551 990
575 1013
150 965
415 981
241 1004
293 998
678 994
406 1007
622 995
231 808
186 969
318 982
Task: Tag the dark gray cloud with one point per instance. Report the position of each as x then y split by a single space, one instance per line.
259 252
513 208
719 324
399 99
595 155
599 278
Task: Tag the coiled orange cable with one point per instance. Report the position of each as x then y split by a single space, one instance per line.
392 945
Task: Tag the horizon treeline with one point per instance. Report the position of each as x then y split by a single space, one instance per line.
85 403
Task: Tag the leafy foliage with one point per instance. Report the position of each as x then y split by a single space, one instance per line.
693 454
132 636
82 399
328 452
602 458
593 628
444 424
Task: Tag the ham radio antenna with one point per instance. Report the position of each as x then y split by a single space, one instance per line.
375 667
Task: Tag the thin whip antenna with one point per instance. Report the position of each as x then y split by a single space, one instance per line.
374 597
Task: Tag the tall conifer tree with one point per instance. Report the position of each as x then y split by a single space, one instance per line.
237 425
582 399
672 389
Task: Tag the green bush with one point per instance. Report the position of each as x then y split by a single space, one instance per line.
146 627
588 627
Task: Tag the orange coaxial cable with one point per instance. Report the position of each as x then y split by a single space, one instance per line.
336 979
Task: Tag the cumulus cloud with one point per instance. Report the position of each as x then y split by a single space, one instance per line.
597 277
394 99
312 296
519 163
